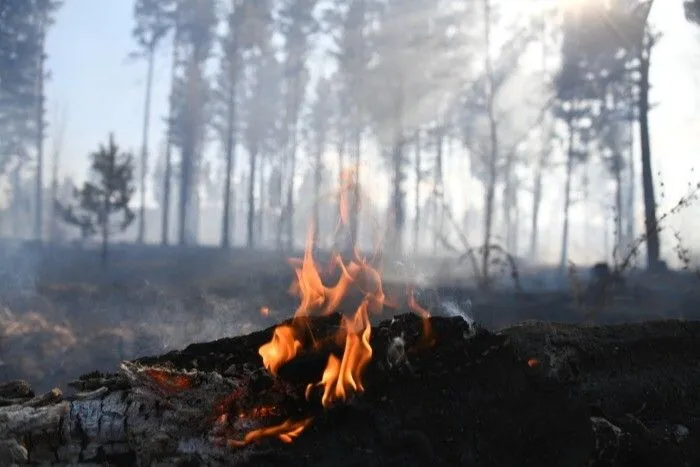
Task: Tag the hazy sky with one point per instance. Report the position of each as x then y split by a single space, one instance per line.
101 91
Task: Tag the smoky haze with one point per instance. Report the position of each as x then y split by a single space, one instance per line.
464 124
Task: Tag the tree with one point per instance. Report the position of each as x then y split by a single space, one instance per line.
261 111
23 29
692 11
297 26
317 137
153 21
244 32
197 23
605 33
105 194
349 21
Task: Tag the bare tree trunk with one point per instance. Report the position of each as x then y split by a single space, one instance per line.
563 261
397 198
618 210
57 146
165 226
39 211
355 203
536 202
260 227
317 195
144 145
230 163
493 155
631 185
250 240
419 179
439 190
652 234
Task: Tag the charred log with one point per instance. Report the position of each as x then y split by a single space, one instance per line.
533 394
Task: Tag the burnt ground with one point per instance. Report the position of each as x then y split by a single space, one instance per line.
62 315
618 395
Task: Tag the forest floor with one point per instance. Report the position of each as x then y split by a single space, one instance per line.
63 315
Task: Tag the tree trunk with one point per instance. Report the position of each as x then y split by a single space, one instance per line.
165 227
317 196
493 149
250 240
189 147
39 212
439 190
354 207
260 227
144 145
563 261
618 211
397 198
419 180
652 234
631 191
230 155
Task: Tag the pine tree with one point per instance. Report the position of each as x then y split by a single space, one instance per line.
105 194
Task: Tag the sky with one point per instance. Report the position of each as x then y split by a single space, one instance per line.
100 90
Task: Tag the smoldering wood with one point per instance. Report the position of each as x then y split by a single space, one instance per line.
552 394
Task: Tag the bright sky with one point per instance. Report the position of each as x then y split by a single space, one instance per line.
101 91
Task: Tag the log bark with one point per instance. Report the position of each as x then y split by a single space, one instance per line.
534 394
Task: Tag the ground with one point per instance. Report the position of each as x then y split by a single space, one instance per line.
62 314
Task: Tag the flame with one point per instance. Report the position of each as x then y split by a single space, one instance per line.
342 376
285 431
264 311
533 362
283 347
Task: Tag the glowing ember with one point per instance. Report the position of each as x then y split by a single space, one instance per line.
533 362
265 311
169 381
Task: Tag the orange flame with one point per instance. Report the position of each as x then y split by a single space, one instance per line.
342 376
285 431
283 347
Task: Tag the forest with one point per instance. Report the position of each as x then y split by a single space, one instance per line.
476 182
271 102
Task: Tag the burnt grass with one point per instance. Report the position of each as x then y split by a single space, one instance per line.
628 364
62 314
613 395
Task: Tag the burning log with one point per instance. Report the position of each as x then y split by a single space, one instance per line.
532 395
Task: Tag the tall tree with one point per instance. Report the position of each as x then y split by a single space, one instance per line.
317 139
153 21
349 21
23 30
197 22
604 33
297 25
261 110
171 124
107 193
245 26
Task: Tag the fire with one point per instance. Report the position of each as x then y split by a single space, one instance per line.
285 432
283 347
343 376
171 382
